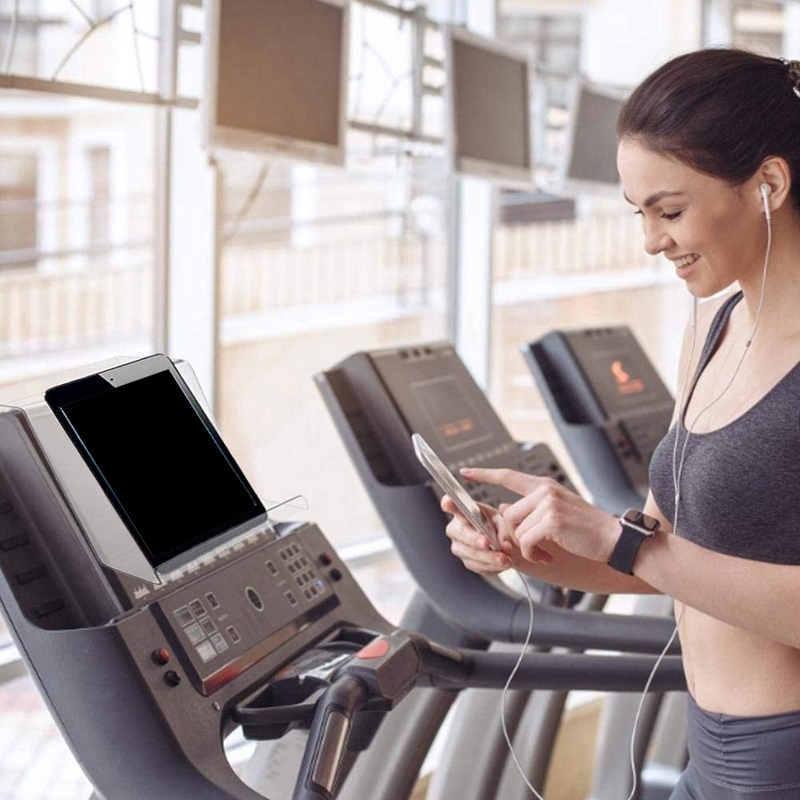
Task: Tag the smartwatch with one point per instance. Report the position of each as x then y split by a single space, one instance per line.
636 527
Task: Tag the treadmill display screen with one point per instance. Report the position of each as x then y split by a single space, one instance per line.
449 412
439 399
158 459
623 379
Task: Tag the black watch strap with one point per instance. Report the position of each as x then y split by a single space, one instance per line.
636 527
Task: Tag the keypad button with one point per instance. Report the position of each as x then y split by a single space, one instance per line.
206 651
207 624
184 616
234 634
198 609
195 633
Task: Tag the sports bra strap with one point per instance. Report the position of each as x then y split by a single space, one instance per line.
712 339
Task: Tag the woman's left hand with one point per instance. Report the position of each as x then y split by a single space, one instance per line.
548 512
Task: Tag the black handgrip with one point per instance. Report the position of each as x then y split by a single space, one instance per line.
327 740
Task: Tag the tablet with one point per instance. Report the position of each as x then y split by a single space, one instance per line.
158 458
452 487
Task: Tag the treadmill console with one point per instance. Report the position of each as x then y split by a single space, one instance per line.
164 667
610 406
386 395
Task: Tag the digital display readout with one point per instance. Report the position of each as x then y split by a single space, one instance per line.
626 383
622 379
449 412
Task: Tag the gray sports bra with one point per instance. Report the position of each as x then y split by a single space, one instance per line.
740 486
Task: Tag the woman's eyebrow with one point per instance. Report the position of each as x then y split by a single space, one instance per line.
654 198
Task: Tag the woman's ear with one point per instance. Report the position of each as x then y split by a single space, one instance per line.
775 174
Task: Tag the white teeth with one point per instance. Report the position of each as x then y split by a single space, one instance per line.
684 262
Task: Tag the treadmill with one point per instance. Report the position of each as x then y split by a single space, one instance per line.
377 400
611 408
609 405
146 672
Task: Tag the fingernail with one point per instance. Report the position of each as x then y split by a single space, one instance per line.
465 470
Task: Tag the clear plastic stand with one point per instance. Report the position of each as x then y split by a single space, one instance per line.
104 530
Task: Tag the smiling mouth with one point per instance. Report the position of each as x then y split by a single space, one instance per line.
686 261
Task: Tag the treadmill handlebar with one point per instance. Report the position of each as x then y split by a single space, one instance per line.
327 740
479 669
382 673
593 630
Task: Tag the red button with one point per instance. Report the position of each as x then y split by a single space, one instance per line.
325 559
376 649
161 656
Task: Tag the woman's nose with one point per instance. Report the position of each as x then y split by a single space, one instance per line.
656 239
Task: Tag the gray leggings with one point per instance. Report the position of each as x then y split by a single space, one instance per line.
741 758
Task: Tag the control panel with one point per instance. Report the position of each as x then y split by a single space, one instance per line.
600 381
229 620
386 395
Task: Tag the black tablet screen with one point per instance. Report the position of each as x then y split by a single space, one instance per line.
169 476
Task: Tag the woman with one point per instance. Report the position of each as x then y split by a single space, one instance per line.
709 156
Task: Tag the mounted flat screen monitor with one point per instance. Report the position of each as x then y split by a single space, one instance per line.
488 101
590 163
276 77
159 460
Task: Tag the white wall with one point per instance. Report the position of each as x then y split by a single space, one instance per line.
791 36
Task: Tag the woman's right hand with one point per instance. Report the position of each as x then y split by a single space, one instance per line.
473 547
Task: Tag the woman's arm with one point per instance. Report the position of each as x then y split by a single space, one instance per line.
753 595
552 564
584 574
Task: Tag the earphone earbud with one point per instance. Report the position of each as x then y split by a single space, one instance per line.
765 190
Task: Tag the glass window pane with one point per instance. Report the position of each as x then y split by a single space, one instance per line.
77 239
317 265
67 41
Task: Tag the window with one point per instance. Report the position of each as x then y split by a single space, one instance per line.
18 209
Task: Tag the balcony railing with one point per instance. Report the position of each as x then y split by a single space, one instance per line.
42 311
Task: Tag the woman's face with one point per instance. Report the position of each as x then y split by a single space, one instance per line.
713 233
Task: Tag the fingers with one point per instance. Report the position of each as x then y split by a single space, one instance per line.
517 482
488 561
474 548
547 493
459 530
471 546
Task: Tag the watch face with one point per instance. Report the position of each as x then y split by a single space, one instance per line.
635 517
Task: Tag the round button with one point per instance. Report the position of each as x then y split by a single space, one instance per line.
172 678
254 598
160 656
326 559
336 575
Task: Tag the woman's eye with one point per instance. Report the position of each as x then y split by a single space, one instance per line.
672 216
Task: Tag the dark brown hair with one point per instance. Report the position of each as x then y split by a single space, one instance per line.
719 111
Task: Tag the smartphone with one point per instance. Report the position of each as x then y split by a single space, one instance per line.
451 486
